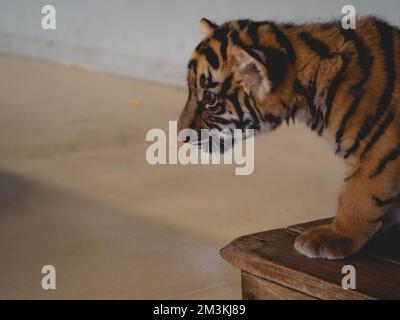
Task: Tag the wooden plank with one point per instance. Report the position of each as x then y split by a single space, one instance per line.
255 288
271 256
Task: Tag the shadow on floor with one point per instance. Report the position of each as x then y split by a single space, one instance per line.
98 251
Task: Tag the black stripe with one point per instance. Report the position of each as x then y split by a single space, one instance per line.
202 80
236 39
365 61
273 119
243 23
252 113
252 32
293 112
219 120
260 116
365 129
193 65
211 57
386 43
383 203
234 99
312 91
391 156
222 36
276 65
299 89
334 87
318 122
200 46
378 133
208 123
284 42
209 82
226 85
315 45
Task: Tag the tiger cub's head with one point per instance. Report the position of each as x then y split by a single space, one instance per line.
232 85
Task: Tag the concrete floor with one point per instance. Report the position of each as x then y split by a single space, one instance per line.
76 191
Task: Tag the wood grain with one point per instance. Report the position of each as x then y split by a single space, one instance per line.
271 256
255 288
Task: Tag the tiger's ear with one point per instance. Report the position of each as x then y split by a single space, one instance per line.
207 27
252 72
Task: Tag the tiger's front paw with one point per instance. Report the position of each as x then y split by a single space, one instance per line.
324 242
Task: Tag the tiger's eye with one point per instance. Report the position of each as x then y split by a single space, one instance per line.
209 98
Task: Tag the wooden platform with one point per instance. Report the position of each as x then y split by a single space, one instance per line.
272 269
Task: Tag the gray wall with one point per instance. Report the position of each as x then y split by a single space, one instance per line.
147 39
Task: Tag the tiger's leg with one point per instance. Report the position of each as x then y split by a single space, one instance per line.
364 200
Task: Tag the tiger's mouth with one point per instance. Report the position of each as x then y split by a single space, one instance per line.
219 141
212 145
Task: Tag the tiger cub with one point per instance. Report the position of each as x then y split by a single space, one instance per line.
343 84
